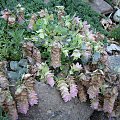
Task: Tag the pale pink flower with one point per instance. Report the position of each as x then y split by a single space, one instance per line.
42 13
5 14
77 67
76 20
93 92
32 98
23 107
66 96
11 20
107 107
73 90
63 87
50 80
94 104
87 54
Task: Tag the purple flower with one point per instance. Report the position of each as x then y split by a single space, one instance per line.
93 92
63 87
23 108
50 80
73 90
32 98
66 97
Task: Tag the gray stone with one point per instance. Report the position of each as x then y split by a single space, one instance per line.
114 63
101 6
52 107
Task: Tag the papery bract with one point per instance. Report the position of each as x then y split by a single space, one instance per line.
73 90
23 108
94 104
77 67
32 98
63 87
93 92
50 79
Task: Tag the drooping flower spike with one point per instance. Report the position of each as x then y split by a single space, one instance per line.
63 87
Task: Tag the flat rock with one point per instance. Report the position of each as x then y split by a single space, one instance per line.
114 63
101 6
52 107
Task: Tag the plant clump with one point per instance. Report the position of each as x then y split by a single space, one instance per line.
64 51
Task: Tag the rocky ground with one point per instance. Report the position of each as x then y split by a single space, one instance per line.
52 107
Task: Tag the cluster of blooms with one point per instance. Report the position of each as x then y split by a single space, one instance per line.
95 85
109 99
91 78
46 74
6 100
22 99
25 94
94 89
86 72
63 87
11 18
73 87
68 91
56 55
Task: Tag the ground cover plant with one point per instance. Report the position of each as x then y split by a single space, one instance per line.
80 7
62 51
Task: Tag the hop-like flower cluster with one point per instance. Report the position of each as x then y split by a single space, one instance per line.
73 86
32 22
20 13
11 107
95 103
97 79
93 92
63 87
46 74
56 55
29 82
31 52
109 99
50 79
6 100
81 92
22 99
32 98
